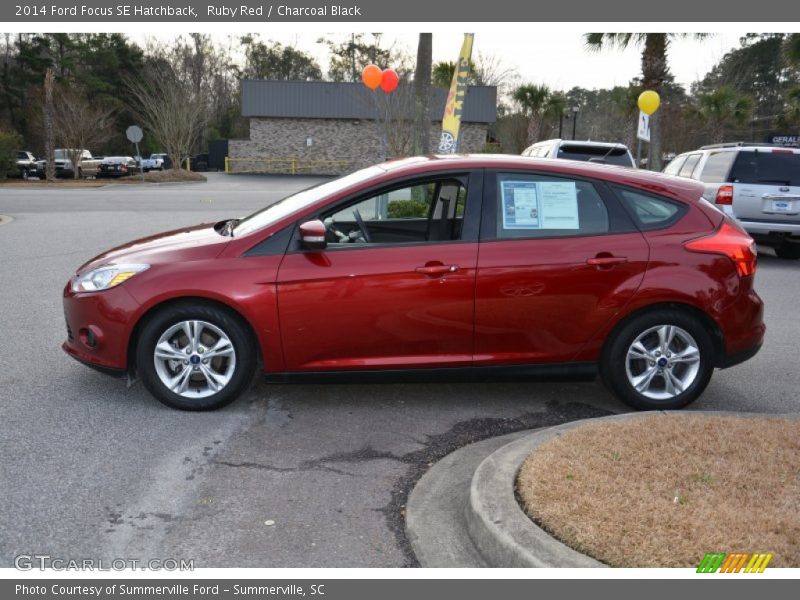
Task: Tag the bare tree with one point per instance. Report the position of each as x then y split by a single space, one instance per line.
169 107
48 115
80 124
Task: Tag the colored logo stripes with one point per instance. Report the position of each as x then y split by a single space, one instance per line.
714 562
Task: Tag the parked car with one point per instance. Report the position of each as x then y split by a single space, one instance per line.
476 267
156 162
25 165
602 152
756 184
87 165
117 166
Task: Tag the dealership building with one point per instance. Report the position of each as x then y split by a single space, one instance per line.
332 128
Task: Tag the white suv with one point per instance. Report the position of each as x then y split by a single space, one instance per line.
602 152
757 184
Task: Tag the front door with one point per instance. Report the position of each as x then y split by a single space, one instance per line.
395 286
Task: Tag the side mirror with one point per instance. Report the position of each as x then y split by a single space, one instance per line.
312 235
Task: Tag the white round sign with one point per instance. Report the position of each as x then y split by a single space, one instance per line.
134 133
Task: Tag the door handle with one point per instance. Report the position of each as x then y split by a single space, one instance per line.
437 269
606 261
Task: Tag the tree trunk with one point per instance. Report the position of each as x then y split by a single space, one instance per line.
534 127
422 94
654 73
49 135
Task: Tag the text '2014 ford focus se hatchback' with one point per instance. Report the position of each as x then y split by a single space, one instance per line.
470 267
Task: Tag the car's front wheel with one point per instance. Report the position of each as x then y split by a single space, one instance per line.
659 360
195 357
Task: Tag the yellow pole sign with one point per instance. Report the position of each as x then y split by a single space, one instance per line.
453 108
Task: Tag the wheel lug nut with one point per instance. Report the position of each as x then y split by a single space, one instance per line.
652 363
186 362
188 351
205 361
658 353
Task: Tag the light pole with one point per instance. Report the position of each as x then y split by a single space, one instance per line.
575 110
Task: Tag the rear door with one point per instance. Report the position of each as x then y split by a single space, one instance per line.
766 185
559 257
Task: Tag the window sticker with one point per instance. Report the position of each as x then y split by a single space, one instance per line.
539 205
520 205
559 205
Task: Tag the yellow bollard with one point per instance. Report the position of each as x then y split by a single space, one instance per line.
227 165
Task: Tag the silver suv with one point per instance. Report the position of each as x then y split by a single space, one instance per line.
757 184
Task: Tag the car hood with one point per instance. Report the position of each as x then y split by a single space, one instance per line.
187 244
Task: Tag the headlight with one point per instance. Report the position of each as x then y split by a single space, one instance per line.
106 278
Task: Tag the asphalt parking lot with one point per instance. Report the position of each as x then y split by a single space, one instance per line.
290 475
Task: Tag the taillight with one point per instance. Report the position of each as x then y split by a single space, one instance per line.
729 241
724 195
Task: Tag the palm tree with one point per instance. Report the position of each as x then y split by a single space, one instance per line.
533 100
722 108
655 70
791 48
422 93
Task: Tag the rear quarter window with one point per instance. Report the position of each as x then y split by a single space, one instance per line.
717 167
650 211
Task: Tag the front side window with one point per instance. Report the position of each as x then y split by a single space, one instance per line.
430 211
674 167
539 206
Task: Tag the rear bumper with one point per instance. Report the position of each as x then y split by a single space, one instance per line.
764 228
736 358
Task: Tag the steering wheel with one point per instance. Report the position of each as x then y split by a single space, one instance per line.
363 227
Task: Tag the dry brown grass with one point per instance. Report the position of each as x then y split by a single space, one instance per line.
663 490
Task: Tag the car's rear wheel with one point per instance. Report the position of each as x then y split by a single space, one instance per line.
788 250
659 360
195 357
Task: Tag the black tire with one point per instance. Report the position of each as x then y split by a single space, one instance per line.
25 174
788 250
239 334
613 361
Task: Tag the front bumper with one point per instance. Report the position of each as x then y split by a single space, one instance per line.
99 326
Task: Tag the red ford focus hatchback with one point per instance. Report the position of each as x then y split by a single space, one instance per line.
471 267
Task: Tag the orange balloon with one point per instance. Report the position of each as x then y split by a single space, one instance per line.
371 76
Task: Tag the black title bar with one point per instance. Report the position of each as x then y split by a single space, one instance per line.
387 11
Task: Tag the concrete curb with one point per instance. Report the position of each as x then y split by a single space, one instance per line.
496 525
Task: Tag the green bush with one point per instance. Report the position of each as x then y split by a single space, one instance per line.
404 209
9 144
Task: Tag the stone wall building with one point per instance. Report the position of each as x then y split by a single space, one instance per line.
334 128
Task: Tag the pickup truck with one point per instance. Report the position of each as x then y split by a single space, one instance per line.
25 165
87 165
156 162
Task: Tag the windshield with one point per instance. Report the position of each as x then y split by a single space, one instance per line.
61 154
300 200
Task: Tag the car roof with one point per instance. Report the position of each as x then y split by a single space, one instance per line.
680 187
585 143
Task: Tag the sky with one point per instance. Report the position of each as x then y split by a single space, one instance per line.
554 56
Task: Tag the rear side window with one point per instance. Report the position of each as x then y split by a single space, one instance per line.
650 212
540 206
767 168
675 166
717 167
689 164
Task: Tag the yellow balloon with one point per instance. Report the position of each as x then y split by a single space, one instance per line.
649 101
